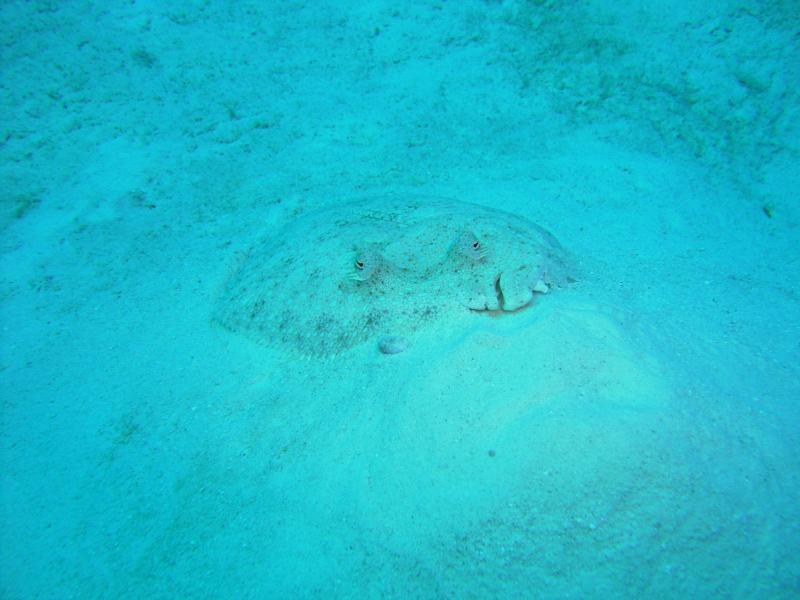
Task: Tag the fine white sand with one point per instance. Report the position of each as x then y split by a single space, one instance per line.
632 436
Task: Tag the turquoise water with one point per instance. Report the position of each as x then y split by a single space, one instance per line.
632 434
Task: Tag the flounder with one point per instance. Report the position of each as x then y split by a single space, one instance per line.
338 277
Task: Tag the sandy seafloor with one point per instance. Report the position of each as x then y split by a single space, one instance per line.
634 435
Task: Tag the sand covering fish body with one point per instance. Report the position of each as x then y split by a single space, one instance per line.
338 277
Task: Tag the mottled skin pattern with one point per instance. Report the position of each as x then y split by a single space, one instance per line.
337 277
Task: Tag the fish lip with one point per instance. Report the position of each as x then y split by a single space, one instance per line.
496 312
501 302
539 287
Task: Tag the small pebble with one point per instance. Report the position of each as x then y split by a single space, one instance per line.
393 344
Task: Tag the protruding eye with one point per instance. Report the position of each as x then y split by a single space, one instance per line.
469 246
368 265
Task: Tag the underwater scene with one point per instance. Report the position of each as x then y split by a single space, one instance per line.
475 299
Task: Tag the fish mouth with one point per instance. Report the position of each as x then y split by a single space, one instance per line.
510 296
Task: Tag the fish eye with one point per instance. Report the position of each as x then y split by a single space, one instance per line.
359 264
476 244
